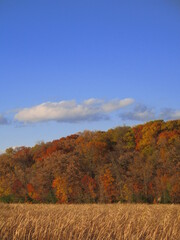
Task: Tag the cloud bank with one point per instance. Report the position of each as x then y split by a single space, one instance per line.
143 113
70 111
3 120
139 113
170 114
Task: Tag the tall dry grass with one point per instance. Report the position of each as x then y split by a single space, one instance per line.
81 222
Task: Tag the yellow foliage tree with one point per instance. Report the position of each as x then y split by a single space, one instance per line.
60 186
4 189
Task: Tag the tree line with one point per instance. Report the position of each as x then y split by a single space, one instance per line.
139 164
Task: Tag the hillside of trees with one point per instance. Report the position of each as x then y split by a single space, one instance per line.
138 164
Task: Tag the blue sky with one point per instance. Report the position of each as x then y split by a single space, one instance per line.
67 66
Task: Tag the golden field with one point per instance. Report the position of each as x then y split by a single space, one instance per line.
81 222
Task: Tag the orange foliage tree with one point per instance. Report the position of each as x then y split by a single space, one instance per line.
108 183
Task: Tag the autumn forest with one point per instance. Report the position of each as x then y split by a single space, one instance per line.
139 164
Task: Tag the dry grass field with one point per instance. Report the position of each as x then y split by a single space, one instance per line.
98 222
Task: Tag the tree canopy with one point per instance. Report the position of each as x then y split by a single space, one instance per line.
124 164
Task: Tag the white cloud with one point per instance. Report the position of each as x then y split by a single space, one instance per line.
116 104
1 151
70 111
92 101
